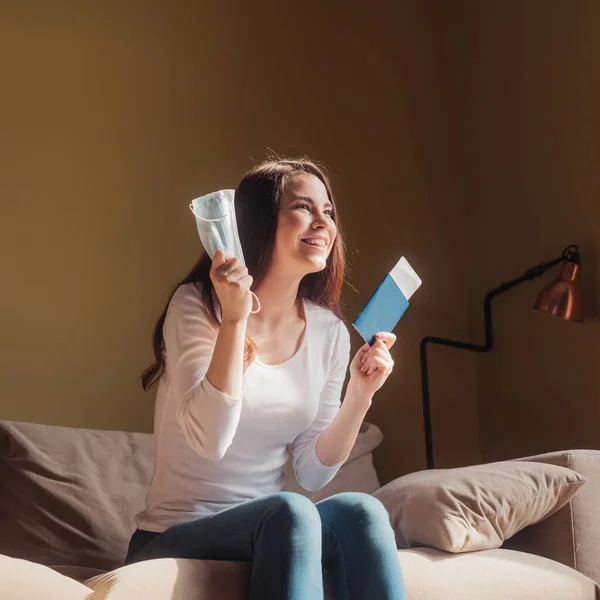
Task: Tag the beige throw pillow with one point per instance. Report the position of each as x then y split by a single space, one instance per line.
68 496
475 508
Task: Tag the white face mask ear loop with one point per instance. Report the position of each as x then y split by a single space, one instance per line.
195 213
253 312
203 218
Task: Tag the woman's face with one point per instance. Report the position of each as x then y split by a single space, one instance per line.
305 229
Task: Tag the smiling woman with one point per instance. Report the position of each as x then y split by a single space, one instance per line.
237 390
306 228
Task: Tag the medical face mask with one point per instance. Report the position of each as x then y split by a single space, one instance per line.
217 226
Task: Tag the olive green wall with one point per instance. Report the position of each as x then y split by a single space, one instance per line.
115 115
532 180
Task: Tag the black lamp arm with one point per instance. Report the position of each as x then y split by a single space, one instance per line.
570 253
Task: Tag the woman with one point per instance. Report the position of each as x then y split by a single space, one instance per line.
236 389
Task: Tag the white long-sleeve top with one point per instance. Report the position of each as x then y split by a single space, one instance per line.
213 451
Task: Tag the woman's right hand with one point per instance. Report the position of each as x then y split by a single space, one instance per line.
232 284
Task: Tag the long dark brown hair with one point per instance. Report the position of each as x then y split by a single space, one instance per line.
257 201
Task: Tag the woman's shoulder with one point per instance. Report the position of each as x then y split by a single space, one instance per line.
187 295
188 298
329 331
325 320
187 291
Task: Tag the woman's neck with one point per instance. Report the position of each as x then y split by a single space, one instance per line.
278 302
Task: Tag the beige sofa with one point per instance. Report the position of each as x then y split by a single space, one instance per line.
68 496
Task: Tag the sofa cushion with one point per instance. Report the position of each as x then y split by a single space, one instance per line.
428 574
491 575
475 508
68 496
174 579
25 580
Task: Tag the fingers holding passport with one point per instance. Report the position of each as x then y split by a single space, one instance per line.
377 356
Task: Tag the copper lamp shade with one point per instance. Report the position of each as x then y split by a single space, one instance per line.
564 297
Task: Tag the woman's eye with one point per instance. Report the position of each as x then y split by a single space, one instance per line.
328 212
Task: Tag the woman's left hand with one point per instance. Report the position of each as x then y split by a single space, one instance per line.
372 365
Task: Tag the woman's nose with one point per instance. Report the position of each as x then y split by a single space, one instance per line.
320 221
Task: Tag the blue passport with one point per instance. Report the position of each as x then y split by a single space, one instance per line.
389 302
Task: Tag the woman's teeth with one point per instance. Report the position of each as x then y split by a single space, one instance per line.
315 243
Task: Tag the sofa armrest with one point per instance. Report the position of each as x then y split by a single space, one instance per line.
572 535
21 579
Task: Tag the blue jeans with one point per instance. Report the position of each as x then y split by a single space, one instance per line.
289 541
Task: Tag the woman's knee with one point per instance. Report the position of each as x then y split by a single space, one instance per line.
357 508
295 510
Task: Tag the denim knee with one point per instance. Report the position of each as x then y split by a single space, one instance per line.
358 509
295 510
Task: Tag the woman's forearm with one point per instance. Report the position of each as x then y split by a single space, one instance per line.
225 371
335 443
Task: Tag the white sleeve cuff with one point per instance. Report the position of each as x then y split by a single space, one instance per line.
209 389
209 419
310 472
